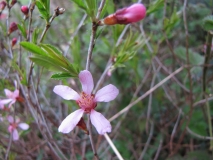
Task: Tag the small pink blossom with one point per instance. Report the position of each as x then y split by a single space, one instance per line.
14 124
131 14
87 103
12 97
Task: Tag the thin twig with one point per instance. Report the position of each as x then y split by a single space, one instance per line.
74 34
8 147
146 94
113 147
148 141
91 138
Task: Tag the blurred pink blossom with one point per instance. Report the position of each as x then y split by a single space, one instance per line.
12 97
14 123
2 5
131 14
87 103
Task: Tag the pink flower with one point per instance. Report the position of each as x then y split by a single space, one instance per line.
13 127
87 103
12 97
131 14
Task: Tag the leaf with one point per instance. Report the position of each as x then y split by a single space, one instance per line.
154 6
35 35
208 23
60 76
23 30
170 23
42 10
80 4
48 63
32 48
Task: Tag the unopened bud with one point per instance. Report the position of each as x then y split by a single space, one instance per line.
131 14
14 41
59 11
13 2
13 27
2 5
25 10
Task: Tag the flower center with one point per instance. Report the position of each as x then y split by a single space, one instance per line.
87 102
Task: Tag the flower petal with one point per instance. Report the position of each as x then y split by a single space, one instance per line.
23 126
8 93
10 119
69 123
106 94
5 101
15 135
16 93
86 81
66 92
101 124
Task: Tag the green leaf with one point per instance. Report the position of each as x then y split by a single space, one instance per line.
208 23
60 76
154 6
80 4
42 10
32 48
92 7
48 63
23 30
35 35
169 24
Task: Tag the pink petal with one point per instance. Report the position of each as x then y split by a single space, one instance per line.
101 124
66 92
10 119
15 135
23 126
86 81
106 94
16 93
69 123
5 101
8 93
11 103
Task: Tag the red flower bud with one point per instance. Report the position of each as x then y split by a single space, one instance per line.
13 27
131 14
13 2
2 5
14 41
25 10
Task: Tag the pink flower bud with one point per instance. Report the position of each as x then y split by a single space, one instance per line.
13 2
13 27
25 10
2 5
14 41
131 14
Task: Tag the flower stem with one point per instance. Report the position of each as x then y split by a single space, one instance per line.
9 146
91 138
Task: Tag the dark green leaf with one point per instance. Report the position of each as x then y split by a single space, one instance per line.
32 48
60 76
